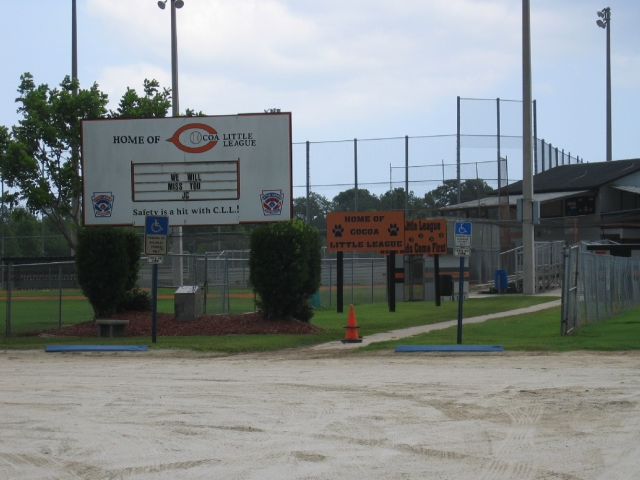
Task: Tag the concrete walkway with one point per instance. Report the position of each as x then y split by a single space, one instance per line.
410 332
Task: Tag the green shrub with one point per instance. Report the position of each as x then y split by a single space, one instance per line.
285 267
135 300
108 261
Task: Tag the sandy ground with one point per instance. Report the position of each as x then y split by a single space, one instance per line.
319 415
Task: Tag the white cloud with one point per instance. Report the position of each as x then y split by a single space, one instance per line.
363 62
357 59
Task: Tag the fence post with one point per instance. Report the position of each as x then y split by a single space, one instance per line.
226 281
308 188
372 280
353 260
406 176
330 274
458 150
9 285
60 295
206 281
598 290
222 291
564 305
535 138
355 172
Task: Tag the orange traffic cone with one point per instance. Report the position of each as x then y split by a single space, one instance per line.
351 334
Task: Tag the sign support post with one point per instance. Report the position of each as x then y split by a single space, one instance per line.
462 249
154 301
361 232
391 280
340 282
436 274
156 230
460 299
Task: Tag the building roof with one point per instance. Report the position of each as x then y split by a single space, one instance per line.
627 188
513 200
580 176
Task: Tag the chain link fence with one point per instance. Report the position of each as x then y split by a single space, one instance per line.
41 296
365 280
597 287
46 296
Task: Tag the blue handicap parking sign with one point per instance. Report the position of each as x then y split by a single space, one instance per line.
156 225
462 228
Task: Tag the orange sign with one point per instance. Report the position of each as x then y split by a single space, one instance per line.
427 236
364 231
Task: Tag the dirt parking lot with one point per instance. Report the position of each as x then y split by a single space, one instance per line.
319 415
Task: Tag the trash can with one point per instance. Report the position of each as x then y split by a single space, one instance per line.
446 285
500 280
315 300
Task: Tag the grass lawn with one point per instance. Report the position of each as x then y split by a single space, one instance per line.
372 318
535 331
33 310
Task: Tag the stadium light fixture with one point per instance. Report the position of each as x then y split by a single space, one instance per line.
176 3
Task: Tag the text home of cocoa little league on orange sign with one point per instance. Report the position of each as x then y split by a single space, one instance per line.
371 231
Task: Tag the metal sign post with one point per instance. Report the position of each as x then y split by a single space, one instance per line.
366 231
462 234
156 230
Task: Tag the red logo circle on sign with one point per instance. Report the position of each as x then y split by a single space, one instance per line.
196 137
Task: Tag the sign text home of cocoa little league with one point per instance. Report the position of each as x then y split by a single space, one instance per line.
365 231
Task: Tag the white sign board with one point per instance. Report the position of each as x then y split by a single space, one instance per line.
195 170
155 259
462 234
462 251
156 230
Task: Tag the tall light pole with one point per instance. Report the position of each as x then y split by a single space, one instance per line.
175 112
74 45
528 241
605 22
75 201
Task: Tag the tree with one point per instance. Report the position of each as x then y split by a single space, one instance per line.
319 206
108 262
154 104
447 193
23 229
395 200
285 268
345 201
39 159
42 155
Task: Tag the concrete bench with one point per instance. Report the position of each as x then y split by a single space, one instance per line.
111 328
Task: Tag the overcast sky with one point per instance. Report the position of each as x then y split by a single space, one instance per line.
348 69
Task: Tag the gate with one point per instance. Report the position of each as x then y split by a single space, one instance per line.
569 313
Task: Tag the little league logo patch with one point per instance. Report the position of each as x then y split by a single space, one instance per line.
102 203
272 202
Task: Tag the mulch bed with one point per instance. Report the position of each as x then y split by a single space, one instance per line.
168 326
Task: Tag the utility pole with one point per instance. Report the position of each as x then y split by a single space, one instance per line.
528 244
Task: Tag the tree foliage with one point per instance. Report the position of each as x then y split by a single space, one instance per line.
447 193
367 201
42 155
26 235
285 267
319 205
108 262
39 157
155 103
